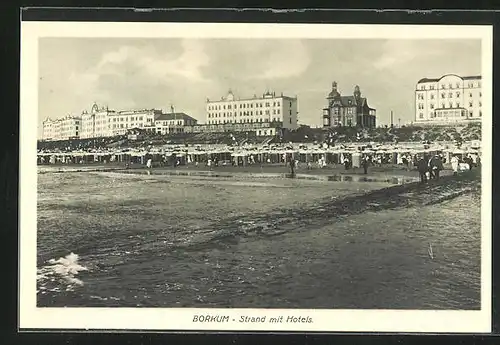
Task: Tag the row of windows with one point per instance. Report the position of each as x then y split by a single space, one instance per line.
443 105
450 86
121 119
213 122
245 113
443 95
244 105
434 115
336 110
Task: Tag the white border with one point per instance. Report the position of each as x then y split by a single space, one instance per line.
181 319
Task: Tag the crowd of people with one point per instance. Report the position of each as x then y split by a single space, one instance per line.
428 166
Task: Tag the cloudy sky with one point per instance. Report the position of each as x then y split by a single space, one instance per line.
155 73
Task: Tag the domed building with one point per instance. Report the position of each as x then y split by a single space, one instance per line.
351 111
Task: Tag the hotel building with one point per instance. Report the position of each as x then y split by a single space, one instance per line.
173 123
68 127
348 111
450 99
276 111
103 122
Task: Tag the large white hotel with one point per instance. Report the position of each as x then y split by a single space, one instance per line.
273 111
103 122
450 99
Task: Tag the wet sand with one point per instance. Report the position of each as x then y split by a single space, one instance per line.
383 171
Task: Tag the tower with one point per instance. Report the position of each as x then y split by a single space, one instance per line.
357 93
334 93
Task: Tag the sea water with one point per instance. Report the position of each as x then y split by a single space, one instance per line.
111 239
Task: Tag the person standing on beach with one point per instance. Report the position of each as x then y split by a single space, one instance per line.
423 168
435 165
149 163
469 161
292 165
454 164
346 163
365 163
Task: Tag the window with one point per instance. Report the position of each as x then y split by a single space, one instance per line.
432 106
480 113
480 104
480 94
450 95
458 94
458 85
451 105
470 104
290 120
442 95
432 96
458 104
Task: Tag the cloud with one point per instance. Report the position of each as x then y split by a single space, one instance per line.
400 52
157 64
290 59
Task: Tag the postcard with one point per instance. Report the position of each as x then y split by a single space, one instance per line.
255 177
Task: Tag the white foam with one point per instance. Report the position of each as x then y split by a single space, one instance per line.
63 268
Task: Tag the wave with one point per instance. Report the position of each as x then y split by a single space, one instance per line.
62 271
231 230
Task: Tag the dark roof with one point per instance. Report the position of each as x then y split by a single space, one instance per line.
174 116
427 80
472 77
344 100
333 94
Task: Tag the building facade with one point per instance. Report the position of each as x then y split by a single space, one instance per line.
259 128
350 111
173 123
65 128
95 124
103 122
121 121
450 99
280 111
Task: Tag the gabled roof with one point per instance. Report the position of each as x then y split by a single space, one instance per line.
351 101
174 116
